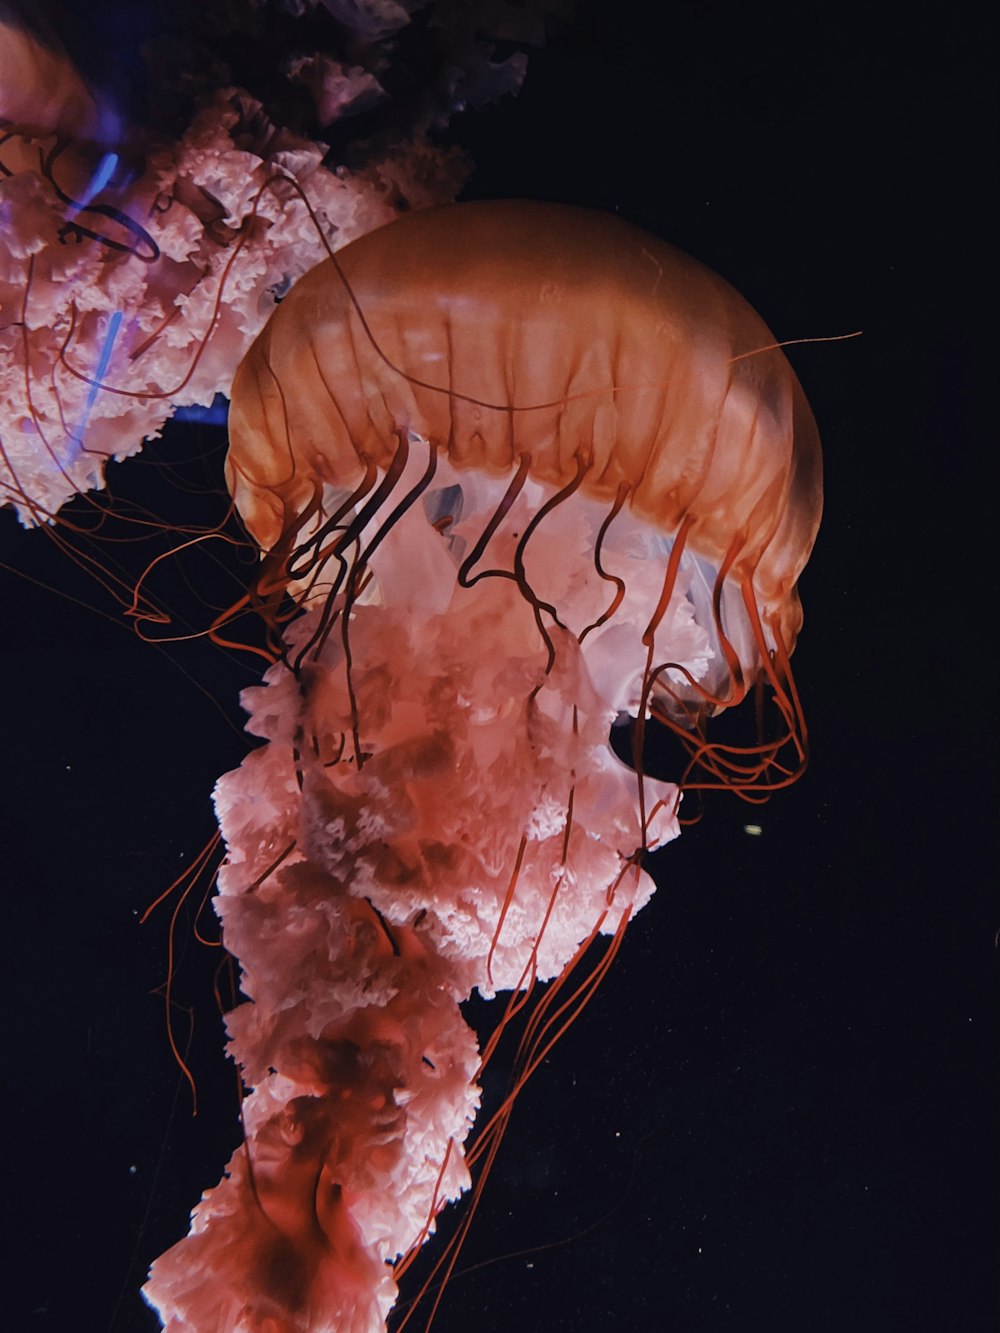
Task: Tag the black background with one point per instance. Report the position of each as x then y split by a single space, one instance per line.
778 1111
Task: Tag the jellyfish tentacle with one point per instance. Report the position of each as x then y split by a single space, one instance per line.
467 580
616 508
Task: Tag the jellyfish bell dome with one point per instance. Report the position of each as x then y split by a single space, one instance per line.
562 352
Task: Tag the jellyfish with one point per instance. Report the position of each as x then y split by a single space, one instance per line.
142 254
127 295
518 474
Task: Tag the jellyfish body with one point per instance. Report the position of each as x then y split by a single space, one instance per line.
135 272
525 470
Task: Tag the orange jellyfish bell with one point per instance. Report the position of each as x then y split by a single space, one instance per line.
523 469
503 331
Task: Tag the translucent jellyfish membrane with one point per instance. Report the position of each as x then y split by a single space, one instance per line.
515 471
